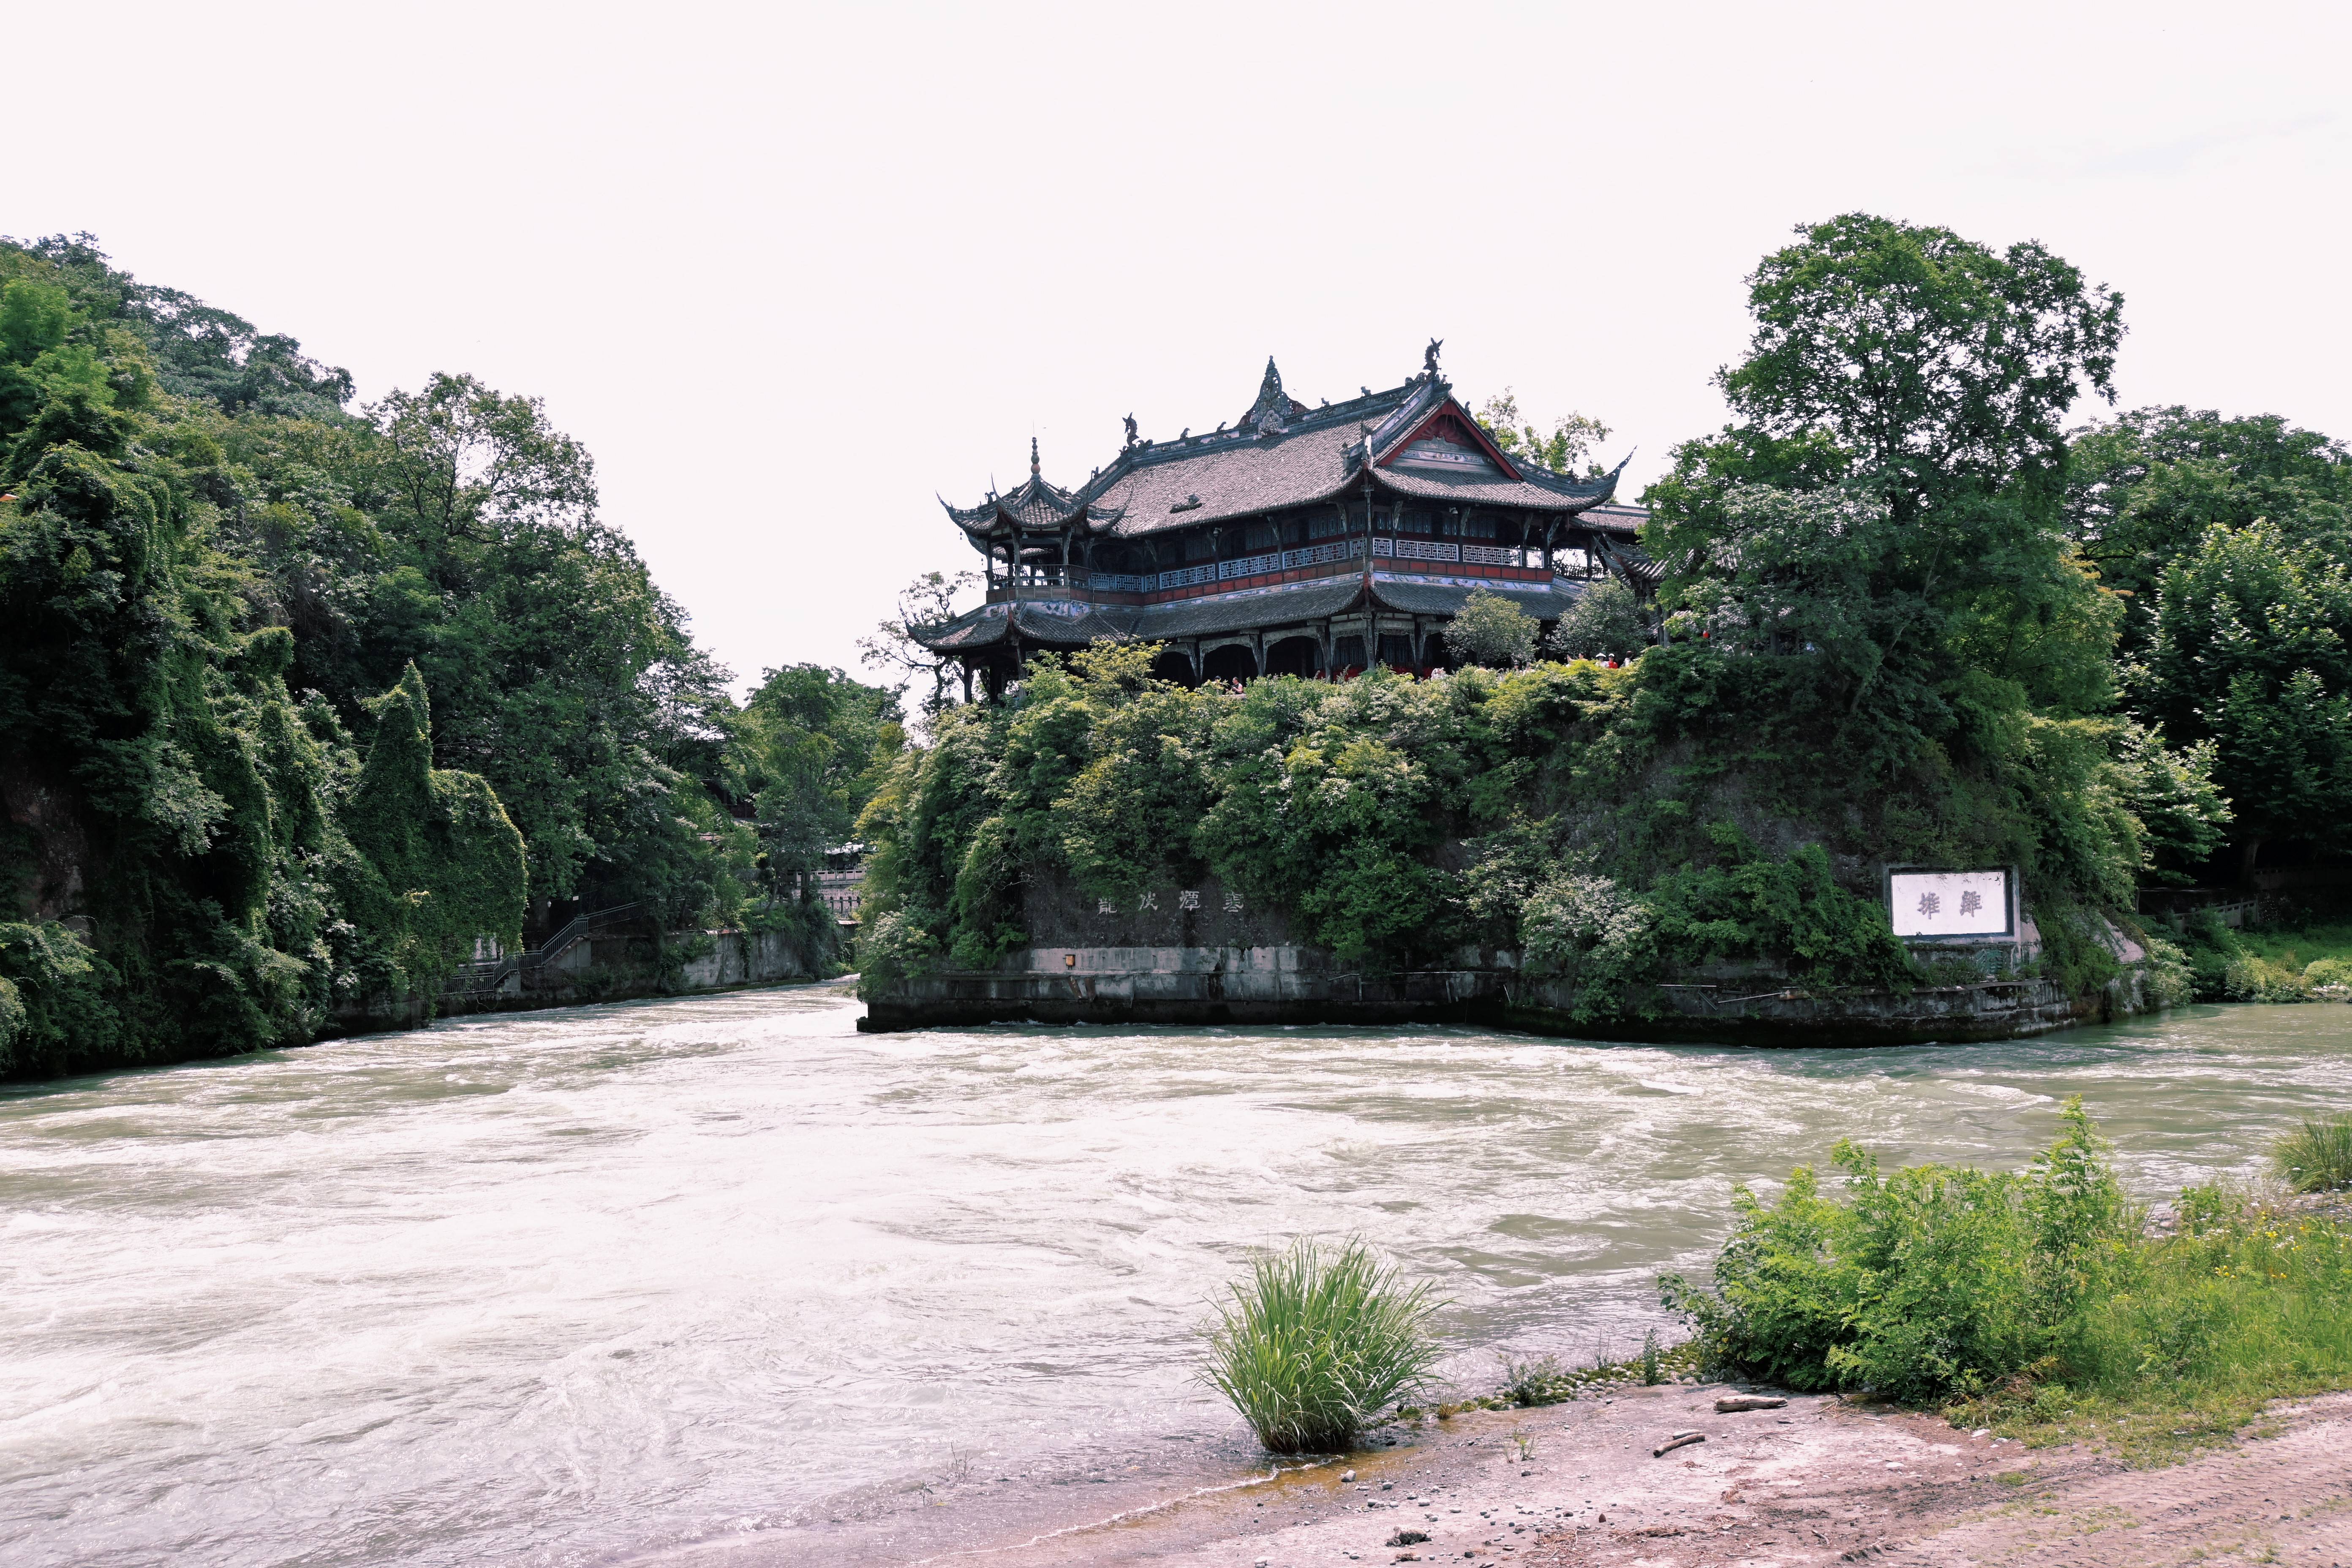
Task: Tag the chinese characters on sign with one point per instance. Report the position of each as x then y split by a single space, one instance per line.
1948 903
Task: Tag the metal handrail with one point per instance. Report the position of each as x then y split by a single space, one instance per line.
573 932
489 973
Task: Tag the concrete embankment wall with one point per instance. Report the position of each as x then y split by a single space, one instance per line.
1291 984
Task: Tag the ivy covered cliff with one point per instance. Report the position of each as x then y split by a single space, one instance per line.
1904 615
299 702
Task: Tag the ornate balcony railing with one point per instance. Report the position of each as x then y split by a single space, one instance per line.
1273 561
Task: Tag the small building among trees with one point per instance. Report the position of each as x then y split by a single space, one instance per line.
1312 541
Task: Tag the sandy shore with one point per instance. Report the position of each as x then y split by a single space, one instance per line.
1818 1481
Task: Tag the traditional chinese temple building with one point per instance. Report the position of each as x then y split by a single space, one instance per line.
1297 541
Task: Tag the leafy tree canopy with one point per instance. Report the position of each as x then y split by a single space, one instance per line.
221 576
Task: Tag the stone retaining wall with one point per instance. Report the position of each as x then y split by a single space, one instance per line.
1291 984
606 967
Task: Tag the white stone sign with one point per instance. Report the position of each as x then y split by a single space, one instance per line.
1948 903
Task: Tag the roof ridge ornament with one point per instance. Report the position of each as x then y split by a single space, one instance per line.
1429 358
1032 458
1270 413
1131 436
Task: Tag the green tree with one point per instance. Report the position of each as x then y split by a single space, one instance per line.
2252 650
1939 369
566 676
2143 489
438 863
2183 815
891 648
1926 379
1605 622
815 747
1491 631
1572 439
202 532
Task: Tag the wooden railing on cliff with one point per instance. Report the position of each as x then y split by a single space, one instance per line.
489 974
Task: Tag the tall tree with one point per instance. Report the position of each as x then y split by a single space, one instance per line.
2143 489
1940 368
813 746
1917 383
2252 650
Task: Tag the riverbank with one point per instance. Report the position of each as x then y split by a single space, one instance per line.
1817 1481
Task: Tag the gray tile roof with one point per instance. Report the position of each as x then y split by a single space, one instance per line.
1050 624
1036 505
1538 488
1241 473
1283 454
1442 597
1615 516
1047 623
1239 612
982 627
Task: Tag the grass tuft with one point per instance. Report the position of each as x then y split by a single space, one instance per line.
1316 1341
2316 1157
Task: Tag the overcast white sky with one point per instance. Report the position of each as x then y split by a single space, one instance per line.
790 270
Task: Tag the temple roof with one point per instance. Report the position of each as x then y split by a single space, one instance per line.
1414 439
1037 506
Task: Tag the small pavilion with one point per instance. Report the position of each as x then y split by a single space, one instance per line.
1314 542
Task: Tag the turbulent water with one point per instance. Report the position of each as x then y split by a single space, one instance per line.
576 1287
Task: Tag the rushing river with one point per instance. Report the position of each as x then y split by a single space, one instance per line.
585 1286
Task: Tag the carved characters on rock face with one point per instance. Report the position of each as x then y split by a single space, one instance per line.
1187 898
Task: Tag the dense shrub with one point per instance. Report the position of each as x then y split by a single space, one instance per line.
1930 1283
2039 1299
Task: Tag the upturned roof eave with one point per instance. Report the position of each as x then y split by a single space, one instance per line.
1572 499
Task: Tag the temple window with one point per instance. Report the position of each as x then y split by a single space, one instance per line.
1259 536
